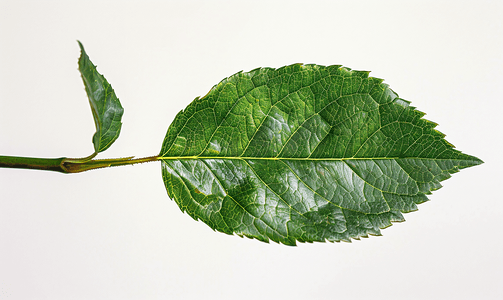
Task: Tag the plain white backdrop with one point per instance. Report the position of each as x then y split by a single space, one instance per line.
115 234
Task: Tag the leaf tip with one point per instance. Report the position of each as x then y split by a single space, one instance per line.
82 50
474 161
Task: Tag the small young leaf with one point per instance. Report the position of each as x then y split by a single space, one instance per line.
304 153
106 108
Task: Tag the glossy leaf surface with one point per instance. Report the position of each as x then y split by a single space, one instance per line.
304 153
106 108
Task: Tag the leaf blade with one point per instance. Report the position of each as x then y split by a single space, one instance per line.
304 153
105 106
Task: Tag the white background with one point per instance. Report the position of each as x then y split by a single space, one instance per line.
115 234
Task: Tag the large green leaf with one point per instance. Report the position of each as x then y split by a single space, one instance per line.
304 153
106 108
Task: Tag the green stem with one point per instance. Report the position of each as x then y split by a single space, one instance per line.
48 164
68 165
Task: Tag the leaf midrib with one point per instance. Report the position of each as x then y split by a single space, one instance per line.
195 157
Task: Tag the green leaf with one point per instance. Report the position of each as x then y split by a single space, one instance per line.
106 108
304 153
